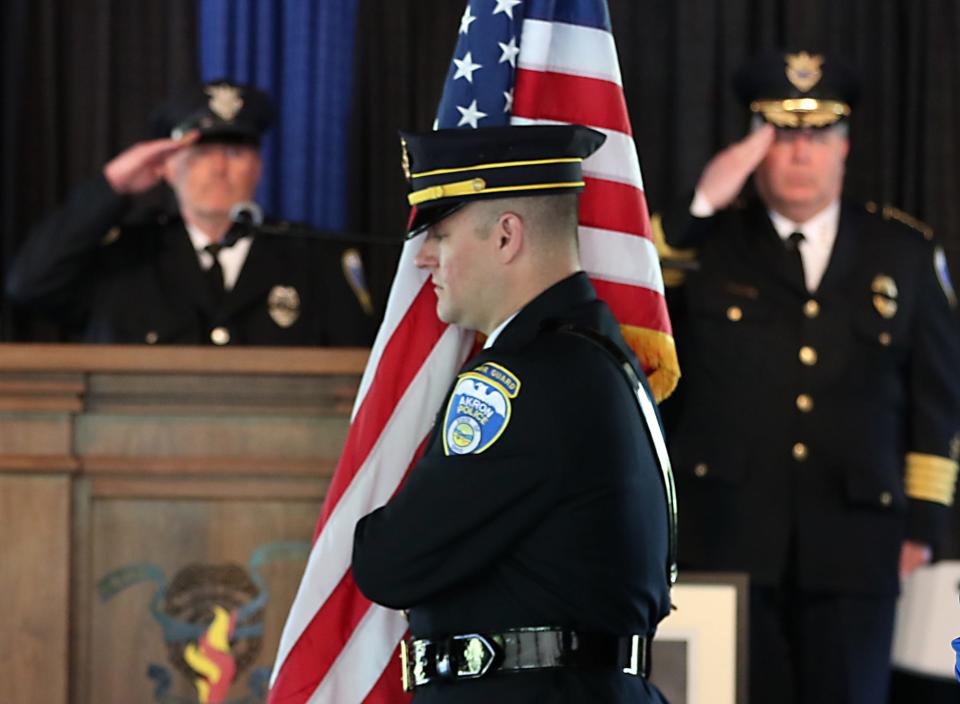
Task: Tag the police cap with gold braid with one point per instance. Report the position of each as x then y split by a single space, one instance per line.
798 89
221 110
450 168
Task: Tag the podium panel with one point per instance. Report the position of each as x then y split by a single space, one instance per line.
156 512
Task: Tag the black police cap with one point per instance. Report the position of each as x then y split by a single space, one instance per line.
798 89
221 110
449 168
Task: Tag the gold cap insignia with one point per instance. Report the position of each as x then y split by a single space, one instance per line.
405 159
225 101
803 70
283 304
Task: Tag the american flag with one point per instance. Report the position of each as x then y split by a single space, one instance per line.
516 62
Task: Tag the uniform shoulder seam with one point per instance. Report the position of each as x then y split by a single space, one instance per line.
889 212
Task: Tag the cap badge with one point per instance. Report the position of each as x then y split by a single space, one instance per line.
283 304
803 70
225 101
405 159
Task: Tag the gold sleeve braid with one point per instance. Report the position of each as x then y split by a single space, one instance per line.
931 478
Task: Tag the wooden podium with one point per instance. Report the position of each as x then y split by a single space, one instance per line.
152 502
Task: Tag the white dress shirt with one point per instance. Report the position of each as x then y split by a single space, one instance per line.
497 330
231 258
819 234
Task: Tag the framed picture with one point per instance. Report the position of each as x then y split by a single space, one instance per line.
700 652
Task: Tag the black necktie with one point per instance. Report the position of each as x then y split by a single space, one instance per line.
792 245
214 274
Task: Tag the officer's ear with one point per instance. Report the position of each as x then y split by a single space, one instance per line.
509 233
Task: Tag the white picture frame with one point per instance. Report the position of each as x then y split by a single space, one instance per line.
700 650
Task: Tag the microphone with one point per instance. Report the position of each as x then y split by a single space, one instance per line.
246 217
246 213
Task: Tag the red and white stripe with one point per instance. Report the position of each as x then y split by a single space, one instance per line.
336 645
570 74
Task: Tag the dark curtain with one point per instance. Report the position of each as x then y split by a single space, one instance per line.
78 79
677 59
402 54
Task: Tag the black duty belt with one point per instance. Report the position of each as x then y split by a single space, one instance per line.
469 656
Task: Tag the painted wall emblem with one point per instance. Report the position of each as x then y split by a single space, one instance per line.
211 617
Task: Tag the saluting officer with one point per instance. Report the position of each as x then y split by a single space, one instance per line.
530 543
814 431
182 280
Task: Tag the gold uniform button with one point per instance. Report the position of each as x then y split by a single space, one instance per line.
811 309
220 336
886 498
885 339
805 403
808 355
701 469
734 314
151 338
800 452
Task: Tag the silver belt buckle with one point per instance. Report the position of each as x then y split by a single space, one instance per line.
477 656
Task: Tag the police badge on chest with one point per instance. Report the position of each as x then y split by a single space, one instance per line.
283 305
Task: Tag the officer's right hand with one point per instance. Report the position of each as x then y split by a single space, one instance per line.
724 176
140 167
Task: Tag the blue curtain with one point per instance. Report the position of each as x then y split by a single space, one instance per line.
301 53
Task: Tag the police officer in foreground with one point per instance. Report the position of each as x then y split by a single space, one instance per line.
198 278
814 431
530 543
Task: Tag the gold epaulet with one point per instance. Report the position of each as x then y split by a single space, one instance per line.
888 212
672 277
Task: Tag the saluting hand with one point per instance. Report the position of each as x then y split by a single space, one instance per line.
724 176
140 167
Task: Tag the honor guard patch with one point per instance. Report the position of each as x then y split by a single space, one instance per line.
479 409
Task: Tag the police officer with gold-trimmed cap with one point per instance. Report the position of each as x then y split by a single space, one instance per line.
198 278
530 544
814 433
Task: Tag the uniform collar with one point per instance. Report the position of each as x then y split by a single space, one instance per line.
231 258
572 291
820 230
496 332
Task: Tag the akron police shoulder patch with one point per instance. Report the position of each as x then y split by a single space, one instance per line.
479 409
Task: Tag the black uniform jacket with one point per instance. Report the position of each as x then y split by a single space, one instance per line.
796 410
561 521
147 285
